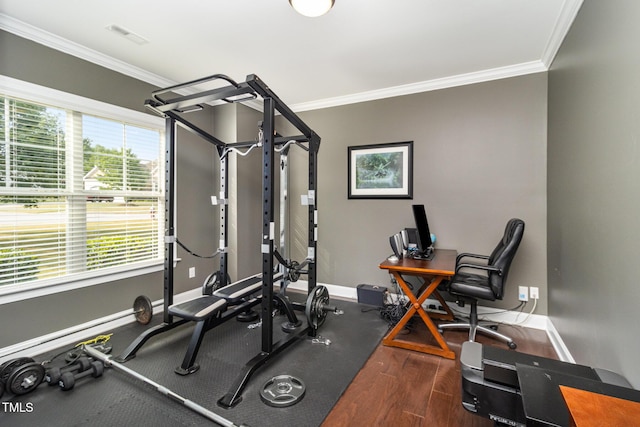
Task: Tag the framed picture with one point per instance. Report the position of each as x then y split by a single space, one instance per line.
381 171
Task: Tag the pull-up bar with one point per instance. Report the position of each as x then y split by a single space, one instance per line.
233 92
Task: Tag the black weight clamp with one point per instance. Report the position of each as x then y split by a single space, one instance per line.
72 355
53 375
68 379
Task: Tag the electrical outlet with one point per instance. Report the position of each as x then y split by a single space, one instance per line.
192 272
533 292
523 293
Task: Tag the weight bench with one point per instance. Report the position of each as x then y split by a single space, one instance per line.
209 311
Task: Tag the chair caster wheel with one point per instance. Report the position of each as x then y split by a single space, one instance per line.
512 345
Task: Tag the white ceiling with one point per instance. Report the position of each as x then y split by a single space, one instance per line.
360 50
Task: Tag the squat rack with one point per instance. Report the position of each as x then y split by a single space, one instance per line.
172 108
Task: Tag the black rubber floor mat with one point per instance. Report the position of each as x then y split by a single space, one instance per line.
117 399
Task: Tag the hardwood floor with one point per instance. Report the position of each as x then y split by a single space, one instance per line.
404 388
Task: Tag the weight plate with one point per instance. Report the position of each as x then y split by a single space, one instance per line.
316 301
25 378
209 283
213 282
282 391
143 309
294 271
7 367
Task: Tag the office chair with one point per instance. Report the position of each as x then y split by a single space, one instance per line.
473 281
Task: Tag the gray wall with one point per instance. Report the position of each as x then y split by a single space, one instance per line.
479 160
238 123
197 175
594 187
34 63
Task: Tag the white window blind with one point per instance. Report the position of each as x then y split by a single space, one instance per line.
78 192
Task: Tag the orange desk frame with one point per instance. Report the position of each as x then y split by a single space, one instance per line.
441 267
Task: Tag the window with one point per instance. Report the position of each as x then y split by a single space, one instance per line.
80 188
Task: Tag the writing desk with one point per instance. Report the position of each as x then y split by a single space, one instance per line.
441 267
589 409
558 399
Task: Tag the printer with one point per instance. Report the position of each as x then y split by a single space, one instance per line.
493 382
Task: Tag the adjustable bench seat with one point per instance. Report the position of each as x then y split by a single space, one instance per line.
206 306
199 309
208 311
235 292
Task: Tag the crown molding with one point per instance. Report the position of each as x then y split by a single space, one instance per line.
426 86
567 15
53 41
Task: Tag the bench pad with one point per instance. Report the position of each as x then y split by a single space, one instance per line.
199 309
241 289
235 292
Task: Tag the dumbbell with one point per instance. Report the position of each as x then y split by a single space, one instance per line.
68 379
53 375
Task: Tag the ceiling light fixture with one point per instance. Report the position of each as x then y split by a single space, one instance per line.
312 8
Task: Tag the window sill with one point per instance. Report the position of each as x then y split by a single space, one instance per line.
23 291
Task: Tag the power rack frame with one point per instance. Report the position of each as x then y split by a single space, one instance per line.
172 107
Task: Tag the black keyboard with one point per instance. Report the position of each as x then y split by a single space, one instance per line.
427 256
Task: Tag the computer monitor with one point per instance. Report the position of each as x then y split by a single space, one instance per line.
424 235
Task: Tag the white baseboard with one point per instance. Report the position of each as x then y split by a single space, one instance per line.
497 315
334 290
558 345
75 334
534 321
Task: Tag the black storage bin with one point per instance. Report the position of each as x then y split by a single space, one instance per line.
371 295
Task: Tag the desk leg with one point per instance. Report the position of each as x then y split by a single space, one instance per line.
416 306
449 315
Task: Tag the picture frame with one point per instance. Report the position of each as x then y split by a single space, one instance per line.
381 171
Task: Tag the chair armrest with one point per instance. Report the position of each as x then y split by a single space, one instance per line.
478 267
470 255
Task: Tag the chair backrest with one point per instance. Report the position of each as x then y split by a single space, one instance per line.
503 254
